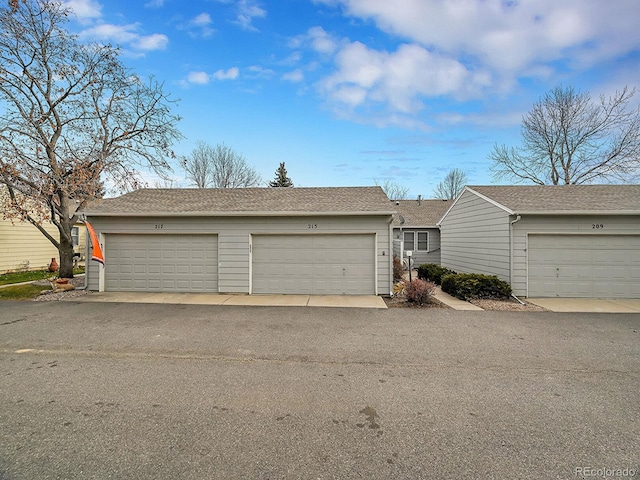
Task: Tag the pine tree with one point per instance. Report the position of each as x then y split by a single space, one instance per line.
281 179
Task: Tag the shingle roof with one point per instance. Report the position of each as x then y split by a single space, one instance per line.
425 213
246 201
564 198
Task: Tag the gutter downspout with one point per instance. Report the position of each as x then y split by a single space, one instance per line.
390 257
517 219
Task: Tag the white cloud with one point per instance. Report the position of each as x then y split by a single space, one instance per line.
154 4
126 36
256 71
198 78
399 79
318 39
203 78
202 20
156 41
230 74
510 37
294 76
247 11
84 9
121 34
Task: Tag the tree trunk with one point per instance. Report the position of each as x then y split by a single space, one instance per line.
65 250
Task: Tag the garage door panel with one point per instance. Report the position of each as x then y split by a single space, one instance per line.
314 264
584 266
157 263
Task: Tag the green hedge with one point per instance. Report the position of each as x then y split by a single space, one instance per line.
467 286
433 272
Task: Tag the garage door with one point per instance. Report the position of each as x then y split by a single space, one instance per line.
161 263
598 266
314 264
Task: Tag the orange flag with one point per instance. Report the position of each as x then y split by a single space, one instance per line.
97 251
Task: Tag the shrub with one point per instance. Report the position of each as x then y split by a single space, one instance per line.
467 286
433 272
397 269
419 291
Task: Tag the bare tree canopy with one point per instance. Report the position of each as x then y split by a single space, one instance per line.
452 185
569 139
393 190
219 167
281 180
71 116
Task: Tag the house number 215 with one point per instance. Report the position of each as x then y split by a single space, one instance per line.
312 225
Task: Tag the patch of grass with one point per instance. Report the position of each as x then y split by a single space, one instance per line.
19 277
21 292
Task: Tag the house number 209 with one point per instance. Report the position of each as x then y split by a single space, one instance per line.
312 225
597 226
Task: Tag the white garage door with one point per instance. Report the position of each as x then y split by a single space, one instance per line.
161 263
314 264
598 266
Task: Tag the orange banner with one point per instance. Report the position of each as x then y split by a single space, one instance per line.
97 251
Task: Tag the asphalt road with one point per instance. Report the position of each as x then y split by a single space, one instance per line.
127 391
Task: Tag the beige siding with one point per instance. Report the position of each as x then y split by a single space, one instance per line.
569 224
420 257
21 242
475 237
234 235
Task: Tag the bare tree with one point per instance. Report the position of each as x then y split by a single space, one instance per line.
452 185
393 190
219 167
568 139
71 116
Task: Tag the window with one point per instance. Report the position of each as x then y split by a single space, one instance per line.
423 241
408 241
75 236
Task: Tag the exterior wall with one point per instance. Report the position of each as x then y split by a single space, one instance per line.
475 238
559 224
234 234
419 257
21 242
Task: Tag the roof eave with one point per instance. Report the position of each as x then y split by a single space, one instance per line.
415 226
577 212
237 214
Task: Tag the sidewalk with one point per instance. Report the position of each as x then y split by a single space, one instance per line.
454 302
445 298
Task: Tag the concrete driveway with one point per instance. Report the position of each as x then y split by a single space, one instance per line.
585 305
129 390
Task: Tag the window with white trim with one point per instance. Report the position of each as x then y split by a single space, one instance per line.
408 241
416 241
423 241
75 236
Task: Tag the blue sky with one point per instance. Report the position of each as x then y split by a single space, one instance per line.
354 92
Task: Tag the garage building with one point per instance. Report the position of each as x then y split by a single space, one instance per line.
548 241
250 240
